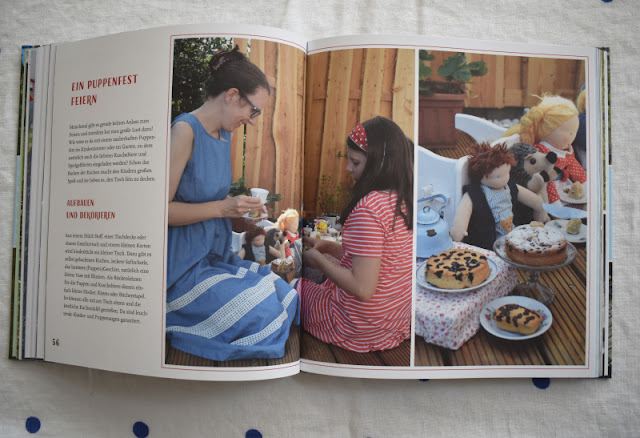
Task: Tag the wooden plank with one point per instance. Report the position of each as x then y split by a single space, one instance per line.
288 157
335 127
237 136
399 356
372 83
313 348
427 355
352 358
499 90
503 352
388 79
255 146
404 92
579 265
317 69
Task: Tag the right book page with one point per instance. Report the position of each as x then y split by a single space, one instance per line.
538 110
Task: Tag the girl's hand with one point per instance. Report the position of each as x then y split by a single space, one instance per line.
240 205
310 258
309 242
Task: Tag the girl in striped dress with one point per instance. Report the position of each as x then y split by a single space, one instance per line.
365 303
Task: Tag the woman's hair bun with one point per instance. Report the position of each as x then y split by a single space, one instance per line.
222 57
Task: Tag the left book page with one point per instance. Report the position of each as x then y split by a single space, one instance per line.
143 268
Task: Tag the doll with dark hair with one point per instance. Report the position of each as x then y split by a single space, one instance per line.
254 248
365 303
205 279
488 208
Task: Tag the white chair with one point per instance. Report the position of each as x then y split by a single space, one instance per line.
479 129
446 176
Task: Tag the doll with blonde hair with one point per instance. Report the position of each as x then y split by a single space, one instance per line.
552 126
288 223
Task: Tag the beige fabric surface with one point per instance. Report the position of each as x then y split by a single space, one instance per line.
77 402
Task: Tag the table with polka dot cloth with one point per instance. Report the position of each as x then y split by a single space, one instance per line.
450 319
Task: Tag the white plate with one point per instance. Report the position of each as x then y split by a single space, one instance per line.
486 317
564 196
561 225
246 216
422 281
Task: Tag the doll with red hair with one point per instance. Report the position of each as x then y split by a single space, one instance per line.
489 207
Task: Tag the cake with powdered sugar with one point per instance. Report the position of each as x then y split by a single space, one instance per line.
536 245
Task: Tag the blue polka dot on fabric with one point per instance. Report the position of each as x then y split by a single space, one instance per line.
252 433
140 429
542 383
32 424
424 380
607 1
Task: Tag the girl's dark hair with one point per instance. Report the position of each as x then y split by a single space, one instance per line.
389 167
232 69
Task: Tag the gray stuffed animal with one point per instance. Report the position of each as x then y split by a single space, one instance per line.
534 169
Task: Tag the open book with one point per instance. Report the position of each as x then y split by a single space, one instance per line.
109 275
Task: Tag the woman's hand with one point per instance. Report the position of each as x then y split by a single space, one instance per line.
240 205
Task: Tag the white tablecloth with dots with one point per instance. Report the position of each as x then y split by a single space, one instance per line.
449 319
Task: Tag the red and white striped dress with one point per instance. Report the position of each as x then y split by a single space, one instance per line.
383 322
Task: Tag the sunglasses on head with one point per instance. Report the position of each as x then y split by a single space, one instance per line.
255 112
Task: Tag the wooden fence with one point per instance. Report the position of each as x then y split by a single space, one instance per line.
272 157
513 81
345 87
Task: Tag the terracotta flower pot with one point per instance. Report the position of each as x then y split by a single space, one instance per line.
436 120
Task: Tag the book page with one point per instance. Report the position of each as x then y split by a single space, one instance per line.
484 88
109 230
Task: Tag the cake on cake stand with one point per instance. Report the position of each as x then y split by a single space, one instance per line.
532 288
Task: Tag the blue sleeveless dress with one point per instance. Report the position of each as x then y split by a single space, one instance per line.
219 306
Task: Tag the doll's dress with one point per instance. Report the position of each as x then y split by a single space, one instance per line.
219 306
568 163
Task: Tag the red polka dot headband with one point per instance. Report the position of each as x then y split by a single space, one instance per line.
359 136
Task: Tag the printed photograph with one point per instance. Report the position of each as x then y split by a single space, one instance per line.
501 211
356 285
234 202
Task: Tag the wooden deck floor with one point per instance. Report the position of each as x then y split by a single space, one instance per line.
315 349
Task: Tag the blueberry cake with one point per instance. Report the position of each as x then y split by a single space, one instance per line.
457 269
517 319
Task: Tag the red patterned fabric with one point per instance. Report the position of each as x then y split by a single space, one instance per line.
332 315
568 163
359 136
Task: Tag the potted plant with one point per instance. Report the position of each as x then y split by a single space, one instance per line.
332 198
440 101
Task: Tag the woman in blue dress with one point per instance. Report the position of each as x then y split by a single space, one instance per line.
218 306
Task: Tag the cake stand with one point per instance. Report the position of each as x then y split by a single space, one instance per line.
532 288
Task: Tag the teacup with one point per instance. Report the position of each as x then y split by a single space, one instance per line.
260 193
331 219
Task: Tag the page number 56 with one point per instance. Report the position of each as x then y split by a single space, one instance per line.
55 342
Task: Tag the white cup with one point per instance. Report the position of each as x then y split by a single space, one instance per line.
260 193
331 219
